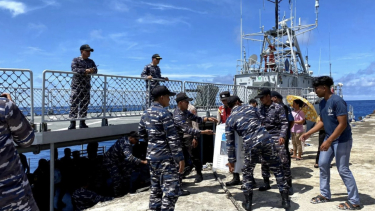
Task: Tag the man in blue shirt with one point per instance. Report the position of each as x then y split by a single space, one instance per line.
338 143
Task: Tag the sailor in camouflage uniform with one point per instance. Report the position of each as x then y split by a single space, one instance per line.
15 191
182 117
81 85
275 121
151 71
119 162
164 152
83 198
246 121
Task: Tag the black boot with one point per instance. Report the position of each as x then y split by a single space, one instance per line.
184 192
198 177
266 185
82 124
248 201
285 200
235 180
72 125
254 184
187 171
291 191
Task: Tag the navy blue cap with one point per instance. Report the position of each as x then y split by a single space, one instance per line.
233 99
161 90
86 47
276 94
263 92
224 95
182 96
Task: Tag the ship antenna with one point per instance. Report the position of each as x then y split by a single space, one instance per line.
320 57
330 73
241 32
276 14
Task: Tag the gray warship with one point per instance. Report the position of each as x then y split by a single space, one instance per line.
280 63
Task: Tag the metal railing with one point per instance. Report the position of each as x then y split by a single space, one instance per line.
19 82
113 96
206 95
110 96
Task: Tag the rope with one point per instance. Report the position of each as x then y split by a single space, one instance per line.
229 195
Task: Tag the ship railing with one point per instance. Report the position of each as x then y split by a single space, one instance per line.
110 96
19 82
113 96
206 96
252 92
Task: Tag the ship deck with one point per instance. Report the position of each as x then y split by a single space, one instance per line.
208 195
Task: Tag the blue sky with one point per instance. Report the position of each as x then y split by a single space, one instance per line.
198 39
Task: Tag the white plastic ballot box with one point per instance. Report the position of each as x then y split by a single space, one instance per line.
221 153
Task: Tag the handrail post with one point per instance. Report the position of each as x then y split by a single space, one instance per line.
43 99
148 101
105 97
32 97
104 106
52 176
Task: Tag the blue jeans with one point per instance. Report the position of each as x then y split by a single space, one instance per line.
342 153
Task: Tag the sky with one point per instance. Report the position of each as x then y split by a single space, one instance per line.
199 40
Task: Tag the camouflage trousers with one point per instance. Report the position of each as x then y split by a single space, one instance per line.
164 179
120 175
285 164
267 152
81 98
15 191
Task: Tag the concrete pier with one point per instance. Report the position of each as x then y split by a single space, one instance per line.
208 195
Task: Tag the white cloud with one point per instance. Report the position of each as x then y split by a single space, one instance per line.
118 6
170 7
136 57
162 21
356 56
96 34
38 28
31 50
205 66
16 8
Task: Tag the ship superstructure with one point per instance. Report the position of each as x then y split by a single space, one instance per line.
280 63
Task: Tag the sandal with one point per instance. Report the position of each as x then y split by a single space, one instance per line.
299 158
348 206
319 199
316 165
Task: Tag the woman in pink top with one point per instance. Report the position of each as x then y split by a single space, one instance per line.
297 129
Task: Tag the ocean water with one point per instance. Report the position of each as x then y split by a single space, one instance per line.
361 108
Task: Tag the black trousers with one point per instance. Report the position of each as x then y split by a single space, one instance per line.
191 152
322 135
286 144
